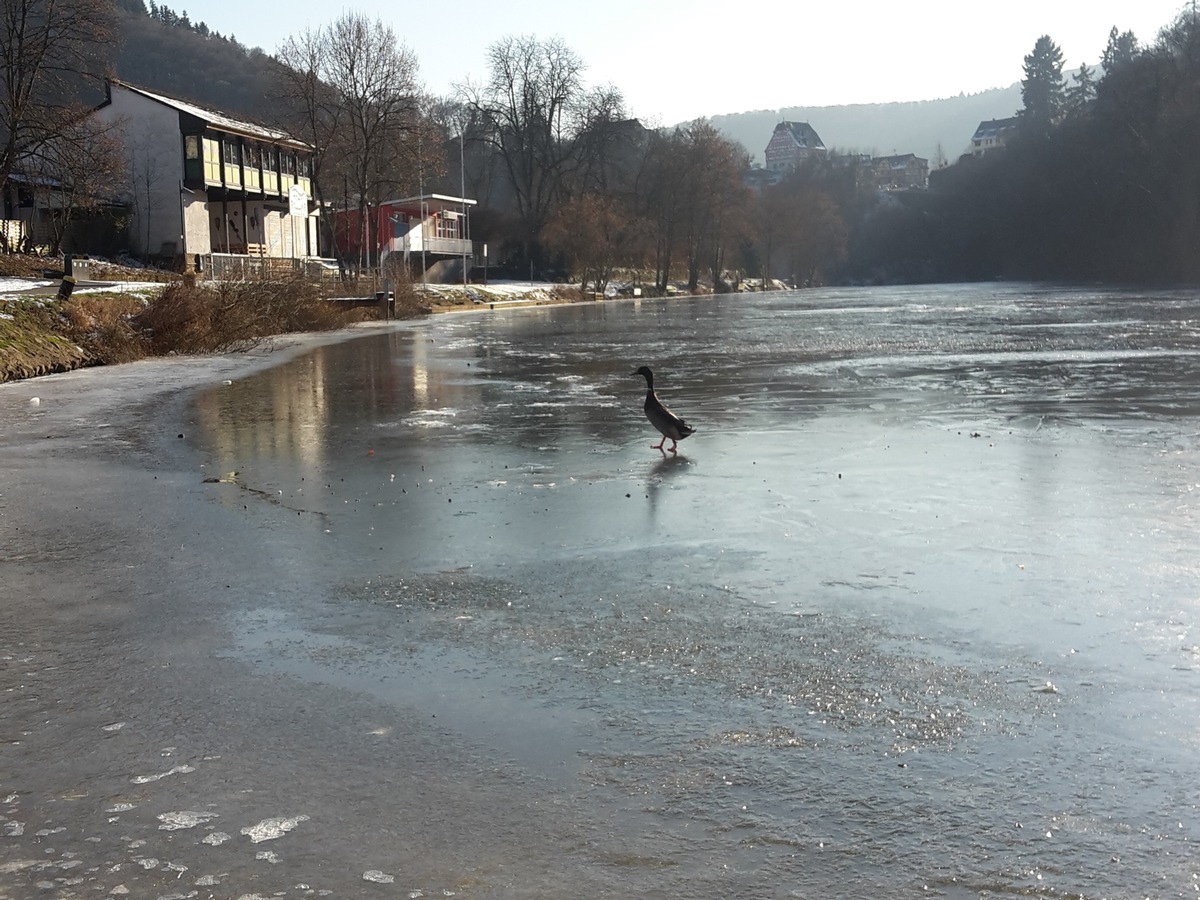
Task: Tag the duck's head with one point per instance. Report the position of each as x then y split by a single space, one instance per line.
645 372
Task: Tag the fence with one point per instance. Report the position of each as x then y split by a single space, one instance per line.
234 267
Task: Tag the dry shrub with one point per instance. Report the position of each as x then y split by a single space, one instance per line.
102 326
26 265
234 315
410 303
105 271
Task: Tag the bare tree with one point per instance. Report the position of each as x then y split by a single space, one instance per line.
607 143
532 108
309 107
595 234
51 52
75 172
660 192
352 87
804 232
145 175
695 193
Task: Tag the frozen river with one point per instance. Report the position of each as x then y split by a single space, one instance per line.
913 613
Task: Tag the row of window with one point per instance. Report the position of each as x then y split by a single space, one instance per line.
235 154
445 225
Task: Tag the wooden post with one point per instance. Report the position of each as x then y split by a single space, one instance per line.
64 289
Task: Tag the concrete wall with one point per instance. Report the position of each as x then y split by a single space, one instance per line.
153 167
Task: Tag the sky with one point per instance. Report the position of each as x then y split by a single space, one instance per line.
676 60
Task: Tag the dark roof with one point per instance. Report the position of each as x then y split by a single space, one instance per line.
900 160
805 134
991 128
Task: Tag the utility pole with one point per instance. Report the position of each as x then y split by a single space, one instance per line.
462 174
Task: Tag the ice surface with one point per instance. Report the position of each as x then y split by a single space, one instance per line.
743 671
174 821
273 828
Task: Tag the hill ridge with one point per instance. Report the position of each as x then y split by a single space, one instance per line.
901 126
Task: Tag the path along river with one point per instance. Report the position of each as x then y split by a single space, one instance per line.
913 613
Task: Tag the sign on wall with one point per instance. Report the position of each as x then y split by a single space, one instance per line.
297 201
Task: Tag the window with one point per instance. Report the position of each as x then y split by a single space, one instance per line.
191 146
447 225
212 160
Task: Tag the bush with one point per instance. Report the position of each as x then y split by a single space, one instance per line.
102 326
42 335
232 316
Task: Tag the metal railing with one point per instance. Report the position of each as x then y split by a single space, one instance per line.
236 267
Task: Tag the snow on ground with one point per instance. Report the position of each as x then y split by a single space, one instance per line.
496 292
120 287
12 288
12 285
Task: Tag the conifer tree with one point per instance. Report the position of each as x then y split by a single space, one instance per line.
1079 96
1121 50
1043 89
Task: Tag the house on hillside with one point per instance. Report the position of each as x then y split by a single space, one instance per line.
991 135
431 231
898 173
792 144
208 189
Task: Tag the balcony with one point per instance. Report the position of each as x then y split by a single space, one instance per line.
448 246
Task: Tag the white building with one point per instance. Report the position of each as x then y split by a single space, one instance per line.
203 184
991 135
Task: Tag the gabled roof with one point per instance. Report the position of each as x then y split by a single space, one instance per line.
900 161
993 128
803 134
217 120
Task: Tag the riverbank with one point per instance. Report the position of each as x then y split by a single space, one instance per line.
124 319
45 330
119 315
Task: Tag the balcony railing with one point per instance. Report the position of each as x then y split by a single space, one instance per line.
448 246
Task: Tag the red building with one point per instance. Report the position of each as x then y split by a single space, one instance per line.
432 231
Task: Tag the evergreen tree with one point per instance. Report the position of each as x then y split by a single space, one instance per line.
1043 89
1121 50
1079 96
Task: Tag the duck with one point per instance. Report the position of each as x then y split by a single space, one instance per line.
668 424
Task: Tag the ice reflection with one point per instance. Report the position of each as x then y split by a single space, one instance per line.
661 476
814 646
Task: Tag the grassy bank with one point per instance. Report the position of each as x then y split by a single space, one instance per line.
41 334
